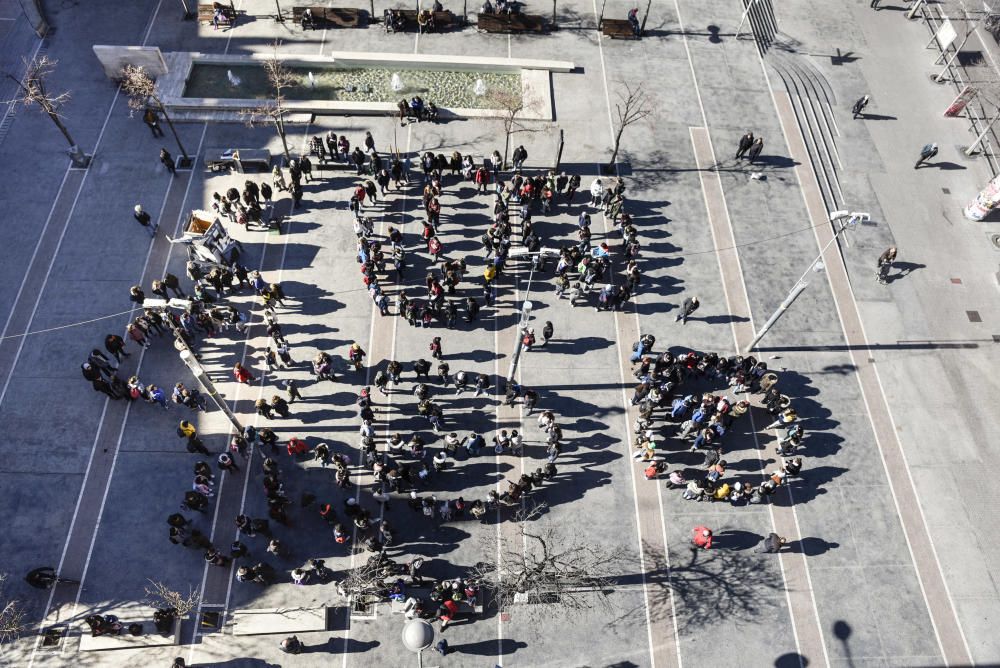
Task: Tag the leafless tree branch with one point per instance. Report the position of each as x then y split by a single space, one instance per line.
159 595
11 614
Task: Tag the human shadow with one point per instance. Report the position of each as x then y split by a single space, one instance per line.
945 166
488 647
775 161
877 117
579 346
811 546
903 269
335 645
736 539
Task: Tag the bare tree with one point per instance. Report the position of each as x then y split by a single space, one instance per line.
159 595
510 105
141 89
366 578
633 106
31 90
280 78
535 564
11 614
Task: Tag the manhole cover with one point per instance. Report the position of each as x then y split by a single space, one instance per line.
995 240
974 316
971 58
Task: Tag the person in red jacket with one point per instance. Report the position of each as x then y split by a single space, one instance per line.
296 446
702 537
447 612
482 179
242 374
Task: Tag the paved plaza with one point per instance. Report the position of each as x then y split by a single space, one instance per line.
891 544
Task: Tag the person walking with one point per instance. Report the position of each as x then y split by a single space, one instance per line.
771 544
746 141
152 121
859 106
144 219
755 149
689 306
435 348
926 153
168 161
885 261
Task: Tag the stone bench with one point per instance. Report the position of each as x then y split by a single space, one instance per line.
125 640
423 591
331 17
278 620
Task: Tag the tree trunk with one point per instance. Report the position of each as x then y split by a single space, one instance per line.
80 159
279 123
170 123
614 151
278 17
642 28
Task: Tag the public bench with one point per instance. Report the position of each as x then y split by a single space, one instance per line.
330 17
150 637
442 20
511 23
206 13
423 591
239 160
617 29
278 620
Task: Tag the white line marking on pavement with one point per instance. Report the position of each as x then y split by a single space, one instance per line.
628 434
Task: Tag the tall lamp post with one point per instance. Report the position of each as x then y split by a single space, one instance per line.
206 384
847 220
418 635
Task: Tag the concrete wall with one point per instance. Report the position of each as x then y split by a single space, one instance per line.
114 58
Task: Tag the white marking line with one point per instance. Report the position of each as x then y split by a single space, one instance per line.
626 403
885 401
704 116
142 355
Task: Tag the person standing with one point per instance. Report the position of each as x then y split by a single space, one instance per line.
518 157
755 149
144 219
702 538
115 345
885 261
746 141
168 161
689 306
173 284
926 153
874 4
596 193
152 121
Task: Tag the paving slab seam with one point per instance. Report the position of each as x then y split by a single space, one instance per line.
930 576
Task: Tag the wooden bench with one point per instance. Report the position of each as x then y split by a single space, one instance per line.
206 13
442 20
617 29
511 23
331 17
278 620
151 638
239 160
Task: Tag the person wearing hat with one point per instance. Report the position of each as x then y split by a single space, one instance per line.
702 538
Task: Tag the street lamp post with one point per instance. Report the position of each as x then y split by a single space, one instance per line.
418 635
526 307
846 220
206 384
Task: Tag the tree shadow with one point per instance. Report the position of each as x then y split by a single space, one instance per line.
704 586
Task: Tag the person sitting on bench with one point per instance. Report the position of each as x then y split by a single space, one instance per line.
395 20
417 107
308 23
633 20
487 8
425 21
438 7
431 113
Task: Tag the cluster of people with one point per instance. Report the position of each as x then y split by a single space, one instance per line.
704 419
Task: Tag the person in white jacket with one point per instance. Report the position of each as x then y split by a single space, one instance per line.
596 193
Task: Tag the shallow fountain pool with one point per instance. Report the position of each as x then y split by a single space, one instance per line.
451 89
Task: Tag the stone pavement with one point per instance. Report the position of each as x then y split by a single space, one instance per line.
858 585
